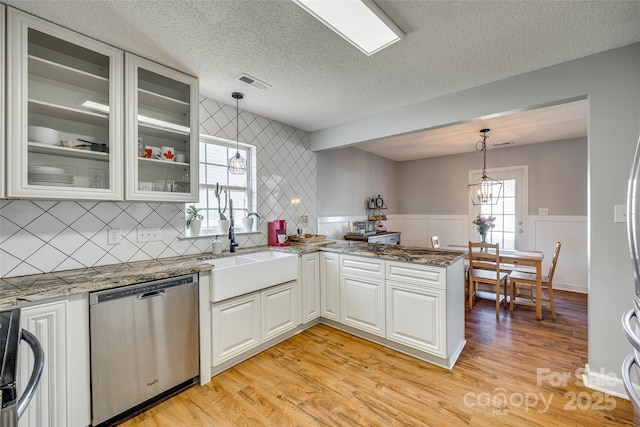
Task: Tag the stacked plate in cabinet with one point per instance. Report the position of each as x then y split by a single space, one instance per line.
49 175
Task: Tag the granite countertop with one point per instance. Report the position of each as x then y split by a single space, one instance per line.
23 290
414 254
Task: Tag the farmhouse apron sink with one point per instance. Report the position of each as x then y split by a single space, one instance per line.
242 274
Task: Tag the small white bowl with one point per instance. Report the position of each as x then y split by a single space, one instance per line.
43 135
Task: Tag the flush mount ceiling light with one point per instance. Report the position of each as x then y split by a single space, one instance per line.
360 22
484 190
237 165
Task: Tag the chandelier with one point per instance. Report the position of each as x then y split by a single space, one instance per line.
484 190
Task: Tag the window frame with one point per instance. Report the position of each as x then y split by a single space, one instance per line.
209 207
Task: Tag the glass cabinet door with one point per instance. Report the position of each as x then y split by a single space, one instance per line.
161 132
64 121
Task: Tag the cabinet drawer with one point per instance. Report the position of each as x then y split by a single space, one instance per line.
416 274
355 265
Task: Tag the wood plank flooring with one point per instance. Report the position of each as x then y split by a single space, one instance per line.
513 372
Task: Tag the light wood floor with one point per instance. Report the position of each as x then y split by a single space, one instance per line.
324 377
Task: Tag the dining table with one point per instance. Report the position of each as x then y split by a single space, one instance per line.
528 261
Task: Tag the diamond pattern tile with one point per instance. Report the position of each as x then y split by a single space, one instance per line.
42 235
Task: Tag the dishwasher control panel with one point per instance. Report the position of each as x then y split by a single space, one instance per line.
141 288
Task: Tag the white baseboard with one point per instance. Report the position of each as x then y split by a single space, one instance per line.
570 287
605 383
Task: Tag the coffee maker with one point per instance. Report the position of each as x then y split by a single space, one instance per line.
274 229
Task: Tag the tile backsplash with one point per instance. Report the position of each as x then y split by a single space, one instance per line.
43 236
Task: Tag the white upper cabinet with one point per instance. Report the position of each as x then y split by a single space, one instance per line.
2 97
161 132
71 84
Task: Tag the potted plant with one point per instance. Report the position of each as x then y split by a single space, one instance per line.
194 220
223 222
248 222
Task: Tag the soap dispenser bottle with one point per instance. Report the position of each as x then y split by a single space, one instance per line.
216 246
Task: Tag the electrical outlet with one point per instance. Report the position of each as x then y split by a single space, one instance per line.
620 213
114 236
543 211
150 234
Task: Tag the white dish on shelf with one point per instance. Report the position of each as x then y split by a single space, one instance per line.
52 178
45 170
51 184
43 135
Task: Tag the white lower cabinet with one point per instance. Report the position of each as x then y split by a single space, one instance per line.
417 306
330 285
279 309
235 326
362 304
242 323
63 394
362 296
416 317
310 286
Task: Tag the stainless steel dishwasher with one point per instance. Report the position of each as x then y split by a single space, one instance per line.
144 345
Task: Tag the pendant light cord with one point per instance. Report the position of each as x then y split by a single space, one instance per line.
237 126
484 151
237 165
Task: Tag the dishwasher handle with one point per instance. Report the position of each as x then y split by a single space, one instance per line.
38 366
151 294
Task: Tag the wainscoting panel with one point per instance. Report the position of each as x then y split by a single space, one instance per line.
571 231
414 229
451 230
417 229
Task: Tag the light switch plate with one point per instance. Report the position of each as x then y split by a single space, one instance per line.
620 213
543 211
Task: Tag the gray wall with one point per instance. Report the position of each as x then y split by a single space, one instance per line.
611 82
347 177
438 186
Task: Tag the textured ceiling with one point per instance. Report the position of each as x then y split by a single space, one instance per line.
553 123
319 80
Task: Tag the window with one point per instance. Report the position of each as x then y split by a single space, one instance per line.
504 211
214 155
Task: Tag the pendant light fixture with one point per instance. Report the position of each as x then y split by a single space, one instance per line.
484 190
237 165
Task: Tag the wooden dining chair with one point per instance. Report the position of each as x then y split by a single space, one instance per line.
484 267
435 242
523 286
